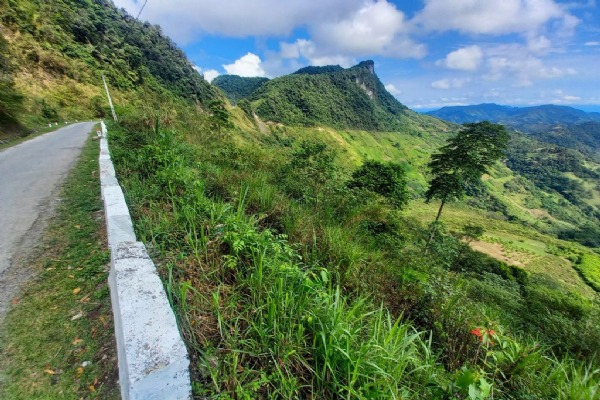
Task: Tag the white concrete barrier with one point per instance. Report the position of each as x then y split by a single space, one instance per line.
153 360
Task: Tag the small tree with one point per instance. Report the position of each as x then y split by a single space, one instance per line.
462 162
219 117
385 179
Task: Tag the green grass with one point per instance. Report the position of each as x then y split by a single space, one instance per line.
57 341
281 294
589 267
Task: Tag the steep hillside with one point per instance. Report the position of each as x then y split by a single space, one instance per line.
236 87
344 98
60 50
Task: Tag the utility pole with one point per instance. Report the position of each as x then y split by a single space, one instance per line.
112 108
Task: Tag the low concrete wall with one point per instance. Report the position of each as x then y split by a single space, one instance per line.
153 360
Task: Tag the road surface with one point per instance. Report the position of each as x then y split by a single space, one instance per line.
30 174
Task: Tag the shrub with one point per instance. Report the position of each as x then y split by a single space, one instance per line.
385 179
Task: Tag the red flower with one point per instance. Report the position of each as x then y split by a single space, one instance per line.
491 332
476 332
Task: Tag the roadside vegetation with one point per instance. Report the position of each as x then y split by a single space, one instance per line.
57 341
291 278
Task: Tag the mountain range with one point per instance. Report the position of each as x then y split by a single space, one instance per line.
560 125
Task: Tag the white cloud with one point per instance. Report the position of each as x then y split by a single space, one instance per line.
308 50
186 20
211 74
393 89
525 69
491 17
208 74
376 28
591 44
248 65
445 84
538 44
467 59
560 97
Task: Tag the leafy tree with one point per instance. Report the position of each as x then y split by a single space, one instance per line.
463 160
311 173
385 179
472 232
219 117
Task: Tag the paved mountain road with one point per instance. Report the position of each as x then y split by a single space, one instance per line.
30 175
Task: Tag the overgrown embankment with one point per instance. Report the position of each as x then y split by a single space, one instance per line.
290 283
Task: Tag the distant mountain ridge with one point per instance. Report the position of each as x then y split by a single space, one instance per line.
559 125
515 116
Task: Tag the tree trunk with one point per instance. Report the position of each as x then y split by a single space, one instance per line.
434 227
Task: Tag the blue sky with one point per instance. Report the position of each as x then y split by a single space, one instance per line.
428 53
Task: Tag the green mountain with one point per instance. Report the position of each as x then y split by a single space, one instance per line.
236 87
59 50
351 98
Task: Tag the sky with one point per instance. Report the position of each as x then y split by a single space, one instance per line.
428 53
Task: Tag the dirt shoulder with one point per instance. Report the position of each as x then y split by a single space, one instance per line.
57 340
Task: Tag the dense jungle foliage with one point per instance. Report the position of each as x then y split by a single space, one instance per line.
236 87
61 49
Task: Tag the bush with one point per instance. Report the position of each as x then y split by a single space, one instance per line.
385 179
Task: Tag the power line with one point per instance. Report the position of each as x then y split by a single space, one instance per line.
141 9
136 18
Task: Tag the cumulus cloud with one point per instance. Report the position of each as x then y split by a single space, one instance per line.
445 84
393 89
467 59
376 28
560 97
208 74
185 20
337 28
211 74
491 17
248 65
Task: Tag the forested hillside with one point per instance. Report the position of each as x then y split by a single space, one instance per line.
343 98
59 51
298 249
237 87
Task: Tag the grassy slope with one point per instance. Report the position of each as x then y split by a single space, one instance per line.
63 317
209 213
531 241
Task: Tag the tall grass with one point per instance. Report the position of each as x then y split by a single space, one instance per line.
282 298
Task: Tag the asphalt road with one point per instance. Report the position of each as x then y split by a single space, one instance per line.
30 174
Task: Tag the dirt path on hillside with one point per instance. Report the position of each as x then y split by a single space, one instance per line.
30 177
